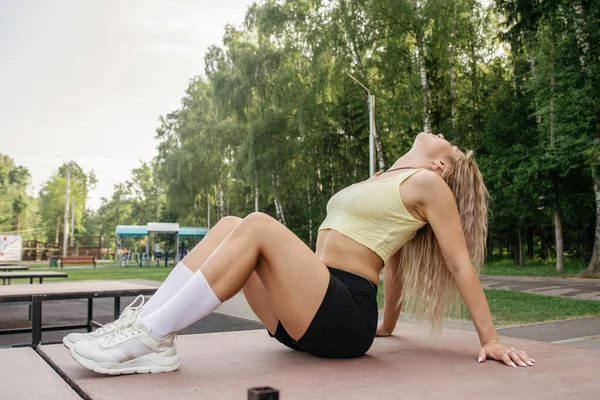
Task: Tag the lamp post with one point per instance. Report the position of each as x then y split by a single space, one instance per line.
66 220
371 104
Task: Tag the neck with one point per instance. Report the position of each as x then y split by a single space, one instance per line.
412 159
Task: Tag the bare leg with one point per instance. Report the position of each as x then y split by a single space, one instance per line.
200 253
293 277
258 251
254 290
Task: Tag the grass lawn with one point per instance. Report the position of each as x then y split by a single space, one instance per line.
507 267
509 308
516 308
103 272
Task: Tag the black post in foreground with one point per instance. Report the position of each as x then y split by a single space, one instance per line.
263 393
36 321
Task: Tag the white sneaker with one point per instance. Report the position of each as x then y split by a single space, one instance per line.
128 349
128 315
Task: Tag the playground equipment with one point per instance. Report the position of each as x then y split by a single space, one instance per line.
147 231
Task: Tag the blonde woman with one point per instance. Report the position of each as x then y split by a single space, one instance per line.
424 220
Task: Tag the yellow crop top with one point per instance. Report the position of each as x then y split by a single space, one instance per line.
372 214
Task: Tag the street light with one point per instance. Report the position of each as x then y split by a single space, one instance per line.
371 103
66 222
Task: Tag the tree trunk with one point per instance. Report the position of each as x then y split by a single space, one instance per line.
424 83
552 113
530 243
310 235
255 192
582 38
278 207
57 229
451 62
490 246
332 172
515 250
544 245
379 148
520 250
223 210
594 265
207 209
218 211
420 49
560 254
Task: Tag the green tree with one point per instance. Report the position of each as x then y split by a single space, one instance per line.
52 197
14 182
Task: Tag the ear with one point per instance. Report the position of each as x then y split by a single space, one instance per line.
439 166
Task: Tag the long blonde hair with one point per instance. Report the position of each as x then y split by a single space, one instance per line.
429 290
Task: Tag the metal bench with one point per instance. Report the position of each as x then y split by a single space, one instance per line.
5 268
31 275
77 260
90 290
13 268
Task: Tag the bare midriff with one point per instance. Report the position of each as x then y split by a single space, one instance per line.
338 251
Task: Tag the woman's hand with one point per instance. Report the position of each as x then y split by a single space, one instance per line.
382 331
509 356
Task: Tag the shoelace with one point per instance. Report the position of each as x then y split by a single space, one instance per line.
121 334
126 314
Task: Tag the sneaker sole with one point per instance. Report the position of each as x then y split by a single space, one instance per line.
68 344
149 364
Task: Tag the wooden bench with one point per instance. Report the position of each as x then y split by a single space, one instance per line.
31 275
90 290
28 376
77 260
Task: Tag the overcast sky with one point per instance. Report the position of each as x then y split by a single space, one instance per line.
89 79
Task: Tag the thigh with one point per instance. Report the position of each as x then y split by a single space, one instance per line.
294 278
258 299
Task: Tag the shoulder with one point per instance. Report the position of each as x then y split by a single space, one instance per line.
431 187
427 180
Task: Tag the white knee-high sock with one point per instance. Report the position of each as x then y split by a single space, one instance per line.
194 301
175 281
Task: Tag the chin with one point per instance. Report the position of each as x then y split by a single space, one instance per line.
423 136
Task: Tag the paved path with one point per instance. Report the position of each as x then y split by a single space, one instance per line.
564 287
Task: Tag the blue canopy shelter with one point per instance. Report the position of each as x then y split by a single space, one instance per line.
158 227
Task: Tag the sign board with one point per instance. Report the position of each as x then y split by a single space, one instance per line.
11 247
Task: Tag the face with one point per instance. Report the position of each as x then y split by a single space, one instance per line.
437 148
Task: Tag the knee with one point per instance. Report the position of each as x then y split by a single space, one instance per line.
256 222
230 221
258 218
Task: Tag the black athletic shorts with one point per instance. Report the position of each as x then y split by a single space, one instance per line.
345 323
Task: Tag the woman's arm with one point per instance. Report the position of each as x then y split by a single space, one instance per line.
440 211
392 290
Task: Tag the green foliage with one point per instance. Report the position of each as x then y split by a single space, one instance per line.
137 201
277 116
532 268
14 181
52 197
